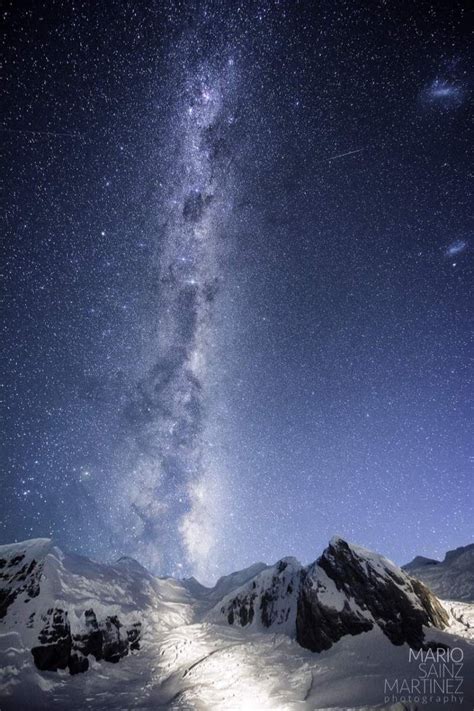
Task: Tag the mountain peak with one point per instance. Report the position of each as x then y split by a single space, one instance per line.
419 561
63 611
131 564
337 541
458 552
451 578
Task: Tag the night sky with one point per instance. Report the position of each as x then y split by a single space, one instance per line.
236 265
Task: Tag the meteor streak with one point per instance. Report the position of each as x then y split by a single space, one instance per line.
39 133
343 155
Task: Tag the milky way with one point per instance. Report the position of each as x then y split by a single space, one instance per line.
237 263
175 487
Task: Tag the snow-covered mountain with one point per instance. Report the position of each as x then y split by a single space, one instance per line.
77 634
348 590
452 578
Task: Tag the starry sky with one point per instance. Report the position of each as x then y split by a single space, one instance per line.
236 271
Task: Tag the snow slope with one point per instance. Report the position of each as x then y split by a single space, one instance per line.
184 653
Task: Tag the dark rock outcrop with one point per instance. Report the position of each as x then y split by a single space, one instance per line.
78 663
345 592
22 571
436 612
58 649
133 636
91 641
401 607
17 578
318 625
55 640
115 643
268 600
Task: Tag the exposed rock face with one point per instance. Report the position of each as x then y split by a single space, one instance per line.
31 577
319 625
59 649
17 576
382 595
55 641
114 642
133 635
108 640
91 641
269 600
436 612
345 592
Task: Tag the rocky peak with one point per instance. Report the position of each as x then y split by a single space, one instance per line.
348 590
267 600
373 590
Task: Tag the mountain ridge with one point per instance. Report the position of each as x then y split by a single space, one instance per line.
60 611
451 578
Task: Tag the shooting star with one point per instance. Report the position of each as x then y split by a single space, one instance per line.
39 133
343 155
